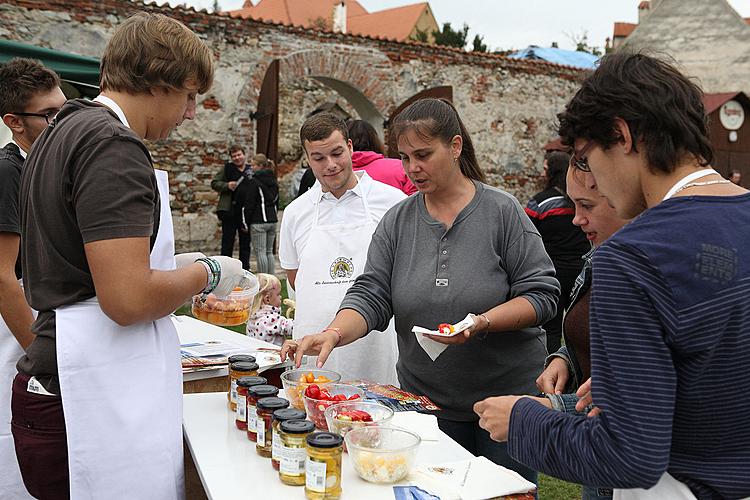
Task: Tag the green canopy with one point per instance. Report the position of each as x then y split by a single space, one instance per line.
79 72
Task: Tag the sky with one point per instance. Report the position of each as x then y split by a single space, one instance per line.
515 24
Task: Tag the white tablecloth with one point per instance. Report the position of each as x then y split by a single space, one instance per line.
230 468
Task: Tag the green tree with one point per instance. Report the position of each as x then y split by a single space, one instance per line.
581 42
421 36
450 37
478 44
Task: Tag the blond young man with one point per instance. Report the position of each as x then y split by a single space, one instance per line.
99 266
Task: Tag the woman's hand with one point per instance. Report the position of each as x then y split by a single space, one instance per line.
554 378
318 344
584 393
480 324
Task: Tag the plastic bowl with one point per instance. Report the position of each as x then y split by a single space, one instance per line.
382 454
295 387
381 415
232 310
315 408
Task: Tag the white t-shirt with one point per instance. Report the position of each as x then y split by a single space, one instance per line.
297 220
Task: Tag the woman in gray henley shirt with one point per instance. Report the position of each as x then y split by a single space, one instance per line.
458 246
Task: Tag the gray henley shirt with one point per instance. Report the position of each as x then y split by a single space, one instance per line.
423 275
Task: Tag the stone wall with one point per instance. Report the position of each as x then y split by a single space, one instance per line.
509 106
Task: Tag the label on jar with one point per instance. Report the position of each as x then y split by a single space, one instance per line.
292 461
233 391
241 408
275 446
260 425
315 475
252 418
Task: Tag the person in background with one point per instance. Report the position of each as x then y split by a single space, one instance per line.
30 97
228 183
259 199
568 368
266 322
97 401
369 155
551 211
735 176
323 248
669 310
458 247
306 181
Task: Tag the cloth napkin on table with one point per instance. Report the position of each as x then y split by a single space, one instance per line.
474 479
422 424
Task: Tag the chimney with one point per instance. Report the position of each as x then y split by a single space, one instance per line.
644 9
339 17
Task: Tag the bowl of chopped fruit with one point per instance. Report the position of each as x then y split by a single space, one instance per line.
382 454
345 416
232 310
318 398
296 381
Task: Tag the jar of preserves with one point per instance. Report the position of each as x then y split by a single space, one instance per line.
323 466
293 451
265 409
254 394
236 370
243 384
280 416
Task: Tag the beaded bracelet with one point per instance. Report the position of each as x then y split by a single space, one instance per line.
214 275
338 332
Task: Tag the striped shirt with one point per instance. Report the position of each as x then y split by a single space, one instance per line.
670 350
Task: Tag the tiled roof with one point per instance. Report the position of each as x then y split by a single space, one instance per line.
624 29
396 23
298 12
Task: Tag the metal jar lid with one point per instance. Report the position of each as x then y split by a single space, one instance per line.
324 440
250 381
297 426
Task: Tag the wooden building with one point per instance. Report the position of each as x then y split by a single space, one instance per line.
730 132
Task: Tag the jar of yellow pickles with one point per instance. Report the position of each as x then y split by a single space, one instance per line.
239 369
279 416
323 466
292 451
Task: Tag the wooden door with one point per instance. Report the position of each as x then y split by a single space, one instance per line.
444 92
267 115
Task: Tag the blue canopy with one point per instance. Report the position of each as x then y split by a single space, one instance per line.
558 56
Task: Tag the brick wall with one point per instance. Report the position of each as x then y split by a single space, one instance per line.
509 106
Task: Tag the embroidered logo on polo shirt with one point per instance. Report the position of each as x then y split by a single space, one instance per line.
342 267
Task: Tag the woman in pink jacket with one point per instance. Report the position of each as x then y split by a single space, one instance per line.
368 156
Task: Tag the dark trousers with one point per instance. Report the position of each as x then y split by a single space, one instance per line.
38 428
478 442
566 275
231 225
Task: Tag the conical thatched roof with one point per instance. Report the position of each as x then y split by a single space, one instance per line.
709 40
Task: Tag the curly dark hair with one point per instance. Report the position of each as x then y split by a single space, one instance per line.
20 80
660 105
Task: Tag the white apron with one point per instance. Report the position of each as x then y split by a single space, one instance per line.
335 254
121 390
11 483
667 487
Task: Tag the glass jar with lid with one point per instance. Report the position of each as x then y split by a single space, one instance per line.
323 466
236 370
243 384
280 416
254 394
293 451
265 409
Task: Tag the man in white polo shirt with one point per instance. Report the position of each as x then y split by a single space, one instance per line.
325 234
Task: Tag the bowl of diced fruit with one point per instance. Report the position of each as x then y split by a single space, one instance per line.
382 454
318 398
296 381
232 310
348 415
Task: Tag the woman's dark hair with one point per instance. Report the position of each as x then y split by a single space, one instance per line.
437 118
557 169
364 137
661 107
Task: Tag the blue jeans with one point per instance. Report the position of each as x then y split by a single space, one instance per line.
263 236
477 441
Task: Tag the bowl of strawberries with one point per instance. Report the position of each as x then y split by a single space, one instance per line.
317 398
347 415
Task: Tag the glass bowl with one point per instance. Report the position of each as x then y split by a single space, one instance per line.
295 386
232 310
382 454
342 417
315 408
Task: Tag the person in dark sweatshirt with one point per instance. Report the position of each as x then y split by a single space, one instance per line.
259 199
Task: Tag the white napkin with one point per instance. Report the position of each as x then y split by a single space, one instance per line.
424 425
474 479
434 348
